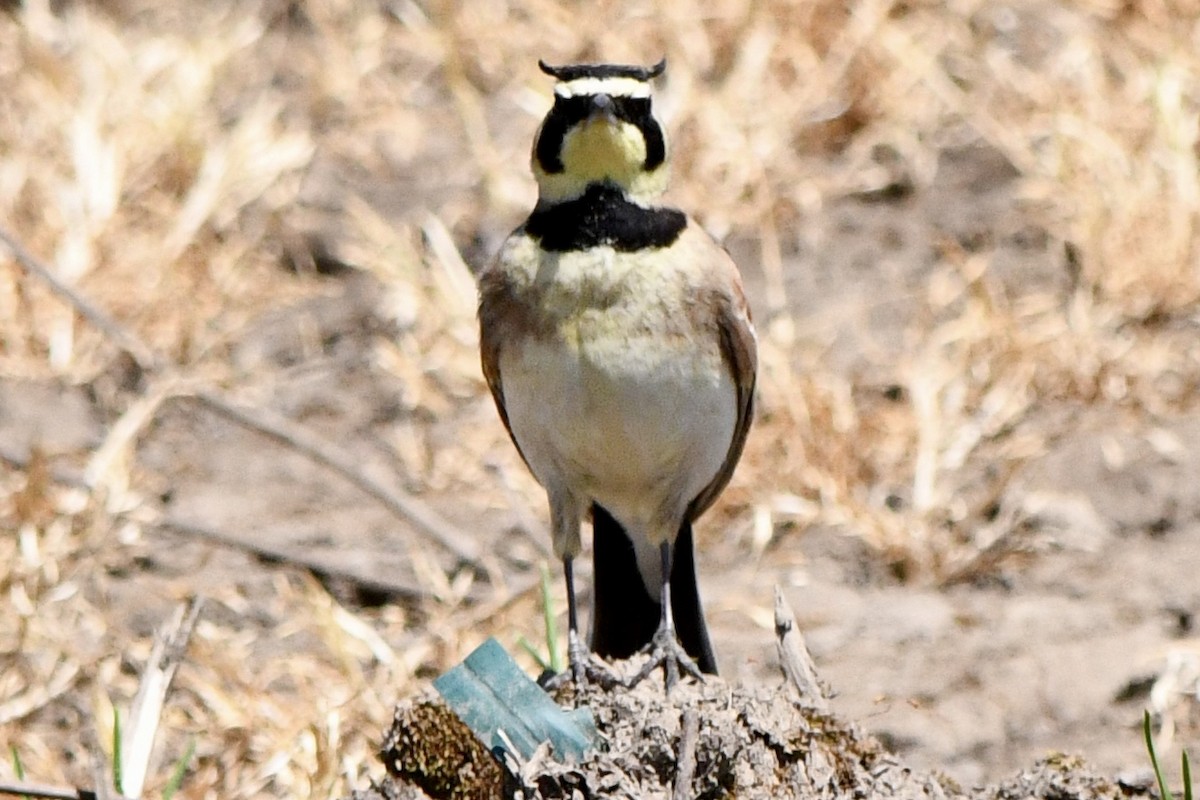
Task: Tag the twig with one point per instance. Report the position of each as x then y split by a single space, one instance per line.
687 754
407 508
316 565
122 435
794 658
460 289
170 643
390 585
137 350
40 790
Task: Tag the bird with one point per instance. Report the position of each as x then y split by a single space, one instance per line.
617 343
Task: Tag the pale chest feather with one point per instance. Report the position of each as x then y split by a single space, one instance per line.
599 300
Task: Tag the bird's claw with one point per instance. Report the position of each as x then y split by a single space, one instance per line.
583 669
666 651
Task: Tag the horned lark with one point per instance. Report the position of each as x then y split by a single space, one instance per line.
618 346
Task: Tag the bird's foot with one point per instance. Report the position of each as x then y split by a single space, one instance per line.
665 651
584 668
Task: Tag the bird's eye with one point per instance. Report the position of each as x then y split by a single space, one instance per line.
632 109
573 109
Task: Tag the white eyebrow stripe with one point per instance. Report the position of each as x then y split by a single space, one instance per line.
614 87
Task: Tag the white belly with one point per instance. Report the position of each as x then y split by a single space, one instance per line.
640 429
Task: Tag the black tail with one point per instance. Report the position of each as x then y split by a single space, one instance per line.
624 615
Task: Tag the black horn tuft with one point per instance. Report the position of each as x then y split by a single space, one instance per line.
570 72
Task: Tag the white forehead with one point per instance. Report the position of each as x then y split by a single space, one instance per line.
614 87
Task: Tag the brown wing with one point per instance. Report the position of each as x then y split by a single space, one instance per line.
497 309
739 349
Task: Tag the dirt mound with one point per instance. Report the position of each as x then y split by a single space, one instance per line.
703 740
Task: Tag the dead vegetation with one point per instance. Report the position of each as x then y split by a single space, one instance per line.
186 167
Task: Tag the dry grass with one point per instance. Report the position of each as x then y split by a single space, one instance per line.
162 158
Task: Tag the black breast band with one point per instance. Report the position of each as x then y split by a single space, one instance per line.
603 216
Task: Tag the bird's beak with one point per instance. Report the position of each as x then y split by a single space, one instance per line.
603 108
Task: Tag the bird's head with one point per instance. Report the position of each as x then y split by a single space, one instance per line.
600 130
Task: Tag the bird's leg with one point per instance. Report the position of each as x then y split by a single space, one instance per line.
577 655
667 625
665 648
582 667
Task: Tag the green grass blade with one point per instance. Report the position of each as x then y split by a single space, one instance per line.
18 768
534 653
1163 791
1187 777
180 770
116 751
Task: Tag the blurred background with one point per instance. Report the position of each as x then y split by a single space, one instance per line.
969 233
